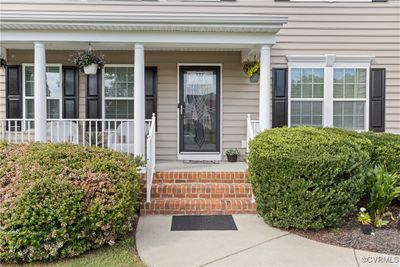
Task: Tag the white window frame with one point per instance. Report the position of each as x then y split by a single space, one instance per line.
24 97
329 63
306 65
365 100
103 91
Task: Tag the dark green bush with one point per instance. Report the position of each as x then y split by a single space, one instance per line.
61 200
385 151
307 178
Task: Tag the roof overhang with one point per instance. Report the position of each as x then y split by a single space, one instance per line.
12 20
157 30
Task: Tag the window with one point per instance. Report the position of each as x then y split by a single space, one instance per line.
349 98
307 96
53 91
118 92
329 91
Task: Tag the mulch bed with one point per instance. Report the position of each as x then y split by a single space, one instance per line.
384 240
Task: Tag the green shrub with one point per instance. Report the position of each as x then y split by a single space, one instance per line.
60 200
386 150
383 189
307 178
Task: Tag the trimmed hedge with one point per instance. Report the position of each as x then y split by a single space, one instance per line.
60 200
307 178
385 150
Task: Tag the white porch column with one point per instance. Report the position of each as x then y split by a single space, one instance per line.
265 88
40 93
139 102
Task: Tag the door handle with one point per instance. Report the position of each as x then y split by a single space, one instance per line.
181 109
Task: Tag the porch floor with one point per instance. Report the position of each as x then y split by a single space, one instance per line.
185 166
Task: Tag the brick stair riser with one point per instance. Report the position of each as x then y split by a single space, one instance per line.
198 206
200 177
211 190
196 212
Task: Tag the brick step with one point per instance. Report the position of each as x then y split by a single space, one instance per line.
198 206
200 177
202 190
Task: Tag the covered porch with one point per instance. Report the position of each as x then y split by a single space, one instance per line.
168 43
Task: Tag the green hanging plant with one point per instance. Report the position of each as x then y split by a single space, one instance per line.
87 57
251 67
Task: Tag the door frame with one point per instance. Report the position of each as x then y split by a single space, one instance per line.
200 155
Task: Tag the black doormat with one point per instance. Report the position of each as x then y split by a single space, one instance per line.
203 223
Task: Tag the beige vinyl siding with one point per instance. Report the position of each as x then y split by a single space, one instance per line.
239 96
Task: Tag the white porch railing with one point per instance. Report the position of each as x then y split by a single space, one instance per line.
150 157
111 133
253 128
13 130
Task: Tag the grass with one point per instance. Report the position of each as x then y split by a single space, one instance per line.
122 254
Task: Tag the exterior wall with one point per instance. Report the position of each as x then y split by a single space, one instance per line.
239 96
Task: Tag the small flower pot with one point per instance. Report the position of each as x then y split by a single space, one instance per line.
255 78
232 158
366 229
91 69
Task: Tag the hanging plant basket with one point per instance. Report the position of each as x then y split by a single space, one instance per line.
88 61
255 77
252 69
91 69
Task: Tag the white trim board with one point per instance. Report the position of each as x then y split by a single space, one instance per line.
209 39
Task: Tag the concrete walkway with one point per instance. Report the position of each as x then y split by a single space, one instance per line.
254 244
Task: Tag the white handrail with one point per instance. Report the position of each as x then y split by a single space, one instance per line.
150 157
253 127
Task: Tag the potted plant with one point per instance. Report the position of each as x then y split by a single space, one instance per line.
89 61
252 69
365 220
3 62
232 154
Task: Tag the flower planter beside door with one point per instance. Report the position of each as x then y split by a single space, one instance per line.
91 69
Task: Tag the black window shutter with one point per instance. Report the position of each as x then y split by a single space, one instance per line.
70 92
377 100
93 96
151 91
279 97
14 94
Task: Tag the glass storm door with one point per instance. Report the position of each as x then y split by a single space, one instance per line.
199 109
